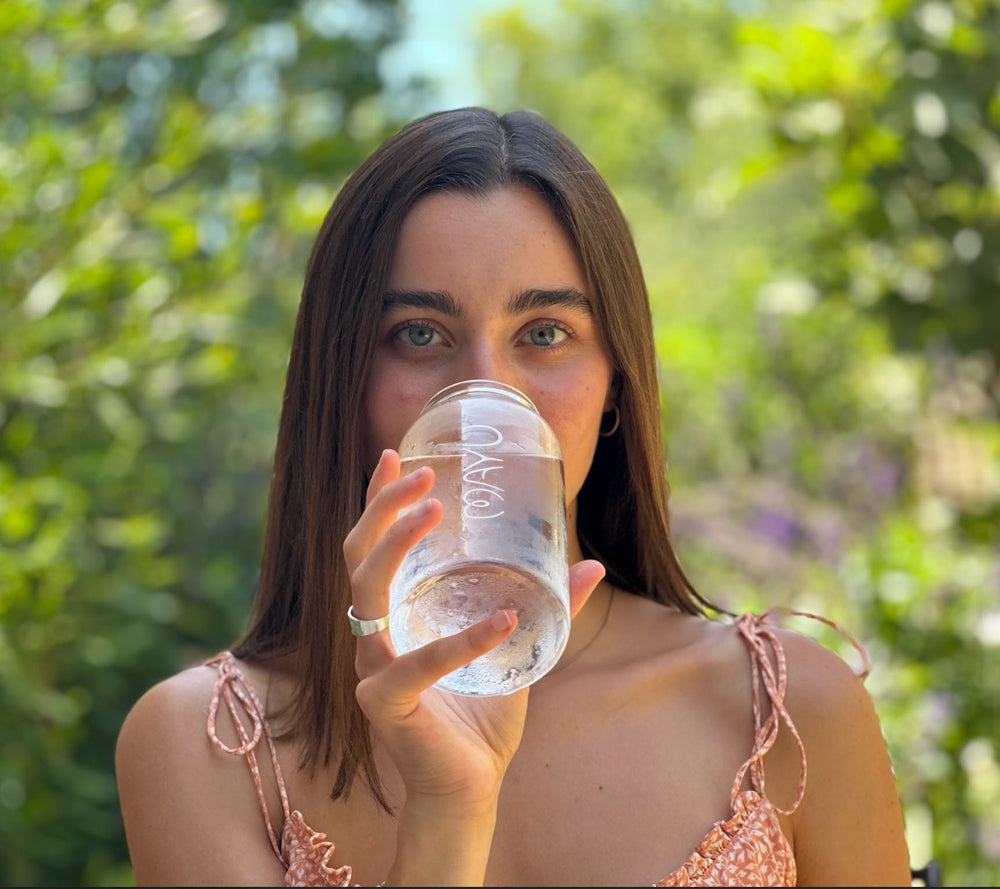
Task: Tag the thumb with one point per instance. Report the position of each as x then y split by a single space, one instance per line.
583 580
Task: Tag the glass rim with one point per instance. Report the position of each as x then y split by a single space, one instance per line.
491 387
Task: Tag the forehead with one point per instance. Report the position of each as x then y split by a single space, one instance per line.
451 239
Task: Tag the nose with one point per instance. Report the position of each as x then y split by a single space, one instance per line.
484 361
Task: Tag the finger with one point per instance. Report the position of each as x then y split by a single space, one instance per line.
388 493
371 578
377 544
583 580
398 686
386 470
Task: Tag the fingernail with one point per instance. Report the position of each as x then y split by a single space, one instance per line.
418 510
502 620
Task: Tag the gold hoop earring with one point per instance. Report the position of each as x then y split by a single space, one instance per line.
607 433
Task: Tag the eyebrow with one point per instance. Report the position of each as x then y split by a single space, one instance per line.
525 301
436 300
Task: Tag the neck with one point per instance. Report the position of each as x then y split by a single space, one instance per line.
587 625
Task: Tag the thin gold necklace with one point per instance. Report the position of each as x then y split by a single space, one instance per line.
591 640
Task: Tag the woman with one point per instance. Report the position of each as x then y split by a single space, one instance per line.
472 245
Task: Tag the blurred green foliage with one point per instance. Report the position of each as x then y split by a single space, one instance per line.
163 170
815 190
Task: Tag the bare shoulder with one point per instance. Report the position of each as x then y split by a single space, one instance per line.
168 709
826 698
833 713
163 749
821 684
178 790
695 661
818 678
698 672
849 827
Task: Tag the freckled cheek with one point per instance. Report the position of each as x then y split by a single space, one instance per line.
387 416
577 434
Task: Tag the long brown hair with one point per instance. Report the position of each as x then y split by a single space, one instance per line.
317 487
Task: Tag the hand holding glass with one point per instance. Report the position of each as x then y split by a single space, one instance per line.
501 543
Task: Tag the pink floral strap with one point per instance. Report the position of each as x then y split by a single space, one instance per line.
233 686
772 676
866 664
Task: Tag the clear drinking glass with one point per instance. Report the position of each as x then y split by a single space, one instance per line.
502 542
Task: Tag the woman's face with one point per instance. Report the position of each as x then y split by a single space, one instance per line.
489 287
